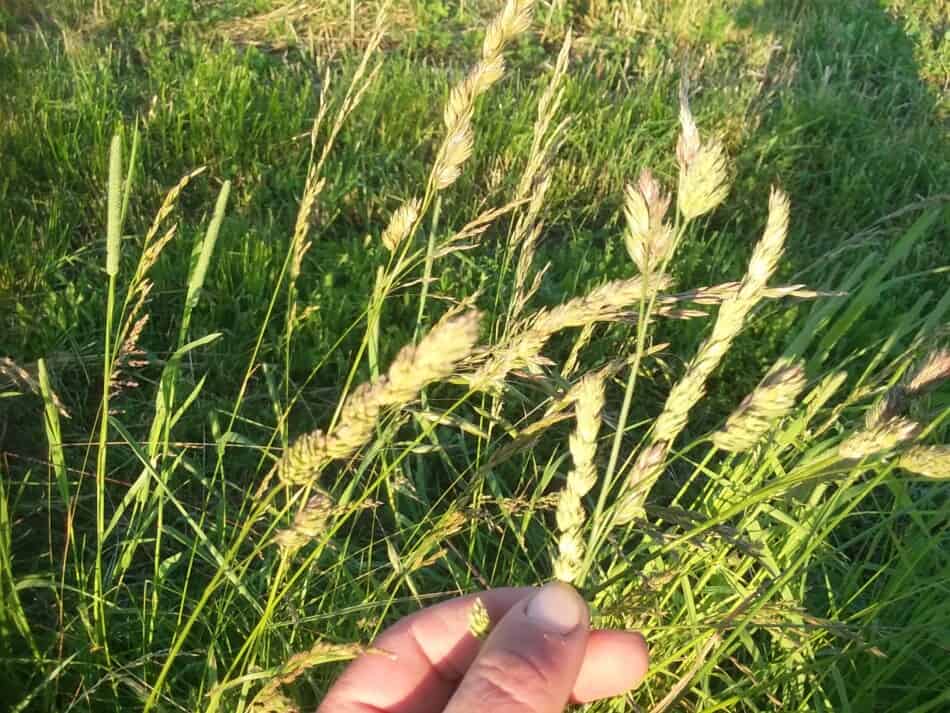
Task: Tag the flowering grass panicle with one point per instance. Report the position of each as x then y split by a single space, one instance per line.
649 239
433 359
691 388
703 180
400 224
930 374
456 148
928 461
522 348
309 523
580 480
479 620
646 470
882 439
772 399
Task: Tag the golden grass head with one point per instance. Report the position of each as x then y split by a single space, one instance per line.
772 399
309 523
648 239
514 19
454 152
479 620
400 224
885 438
768 251
703 176
434 358
645 471
931 373
928 461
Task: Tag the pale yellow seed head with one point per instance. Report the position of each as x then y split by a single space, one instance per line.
928 461
648 239
455 151
883 439
769 249
704 182
400 224
929 375
486 73
772 399
479 620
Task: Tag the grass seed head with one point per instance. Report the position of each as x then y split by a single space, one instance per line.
929 375
583 445
883 439
479 621
772 399
648 239
400 224
433 359
645 471
928 461
703 175
309 523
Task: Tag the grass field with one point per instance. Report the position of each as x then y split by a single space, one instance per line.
198 267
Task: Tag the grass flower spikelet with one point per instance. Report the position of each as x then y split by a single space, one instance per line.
648 239
928 461
882 439
400 224
772 399
479 621
580 480
691 388
433 359
308 524
703 179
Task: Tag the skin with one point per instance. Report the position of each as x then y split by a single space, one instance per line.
540 656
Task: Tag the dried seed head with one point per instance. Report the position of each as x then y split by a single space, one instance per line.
583 445
458 109
454 152
646 470
934 371
886 437
890 406
928 461
772 399
648 239
486 73
433 359
271 699
400 224
703 179
479 621
309 523
514 19
769 249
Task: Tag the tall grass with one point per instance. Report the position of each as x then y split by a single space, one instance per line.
762 552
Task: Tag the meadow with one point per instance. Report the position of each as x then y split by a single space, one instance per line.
319 312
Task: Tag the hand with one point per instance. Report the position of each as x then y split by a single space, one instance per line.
539 656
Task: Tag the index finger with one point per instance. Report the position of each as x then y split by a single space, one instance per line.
431 650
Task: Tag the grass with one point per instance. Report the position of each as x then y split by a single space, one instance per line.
142 481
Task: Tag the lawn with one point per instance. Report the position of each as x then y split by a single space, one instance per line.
219 219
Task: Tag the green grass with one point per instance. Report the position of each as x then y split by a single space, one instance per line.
779 590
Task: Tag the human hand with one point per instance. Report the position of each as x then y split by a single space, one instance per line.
539 656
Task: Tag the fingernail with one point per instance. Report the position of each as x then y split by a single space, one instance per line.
557 608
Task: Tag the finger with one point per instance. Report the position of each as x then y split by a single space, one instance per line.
431 650
531 660
614 663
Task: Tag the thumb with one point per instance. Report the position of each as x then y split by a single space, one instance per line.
531 660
